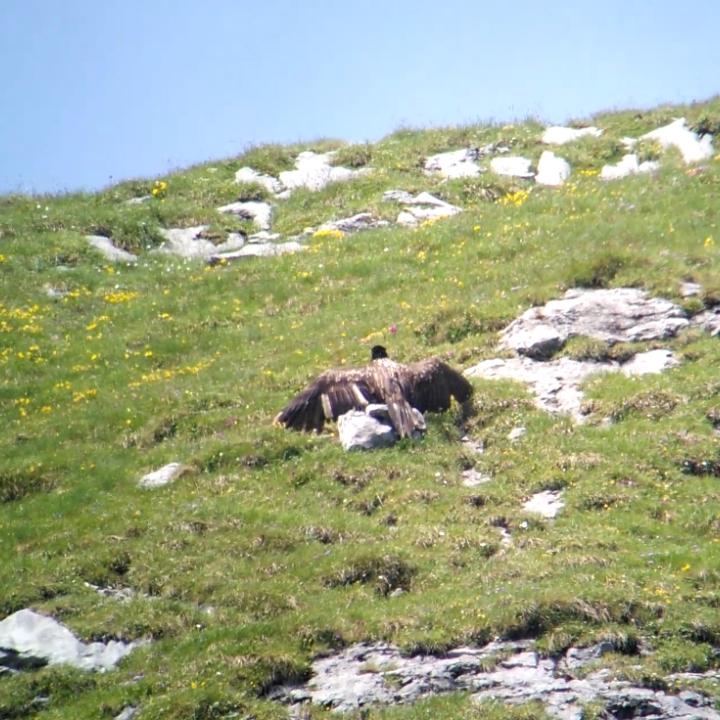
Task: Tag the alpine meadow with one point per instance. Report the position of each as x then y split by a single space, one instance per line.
262 550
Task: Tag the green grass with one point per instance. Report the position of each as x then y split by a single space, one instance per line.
274 546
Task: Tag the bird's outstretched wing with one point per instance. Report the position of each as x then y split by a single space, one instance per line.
331 394
433 383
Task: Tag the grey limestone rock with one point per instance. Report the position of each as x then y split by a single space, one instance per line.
547 503
371 429
379 673
355 223
613 315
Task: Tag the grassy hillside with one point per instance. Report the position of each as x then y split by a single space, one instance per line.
274 546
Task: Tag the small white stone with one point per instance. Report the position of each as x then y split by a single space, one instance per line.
512 166
547 503
162 476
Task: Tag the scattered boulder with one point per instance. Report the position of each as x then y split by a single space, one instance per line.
163 476
367 674
512 166
259 212
355 223
420 208
552 170
29 639
517 433
558 135
613 315
105 246
629 165
693 147
547 503
371 429
455 164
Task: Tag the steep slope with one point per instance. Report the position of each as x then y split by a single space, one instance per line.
269 547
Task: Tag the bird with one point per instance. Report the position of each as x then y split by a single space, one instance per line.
427 385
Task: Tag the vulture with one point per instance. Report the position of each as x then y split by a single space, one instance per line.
425 385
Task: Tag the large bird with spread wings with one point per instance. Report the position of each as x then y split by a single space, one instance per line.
427 385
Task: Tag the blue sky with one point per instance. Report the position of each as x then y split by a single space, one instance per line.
97 92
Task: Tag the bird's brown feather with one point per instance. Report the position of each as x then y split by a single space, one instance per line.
428 386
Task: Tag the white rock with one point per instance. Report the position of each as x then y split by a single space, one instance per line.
677 134
454 164
650 362
186 242
314 171
612 315
162 476
355 223
234 242
512 166
629 165
709 321
105 246
552 170
547 503
359 431
420 208
259 212
33 635
248 175
555 384
516 433
558 135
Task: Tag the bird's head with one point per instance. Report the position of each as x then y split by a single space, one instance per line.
378 352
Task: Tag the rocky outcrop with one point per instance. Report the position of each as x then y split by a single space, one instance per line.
29 640
613 315
510 672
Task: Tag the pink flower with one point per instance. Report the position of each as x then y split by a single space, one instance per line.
393 329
